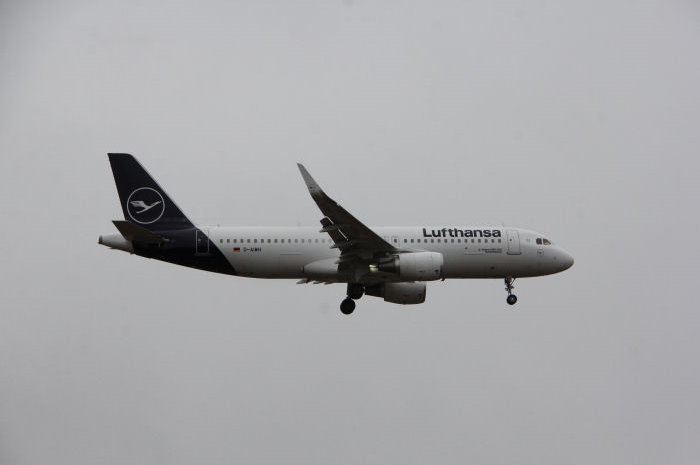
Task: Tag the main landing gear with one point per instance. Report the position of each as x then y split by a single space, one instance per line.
355 291
347 306
512 298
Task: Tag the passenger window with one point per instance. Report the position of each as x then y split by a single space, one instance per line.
268 241
479 241
405 241
248 241
275 241
411 241
432 240
499 241
459 241
296 241
221 240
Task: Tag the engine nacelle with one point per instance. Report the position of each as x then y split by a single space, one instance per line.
399 293
414 266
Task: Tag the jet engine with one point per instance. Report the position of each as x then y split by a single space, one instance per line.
399 293
413 266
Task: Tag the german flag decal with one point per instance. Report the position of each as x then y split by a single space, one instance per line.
236 249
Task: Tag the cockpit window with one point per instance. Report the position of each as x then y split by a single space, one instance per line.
546 242
538 241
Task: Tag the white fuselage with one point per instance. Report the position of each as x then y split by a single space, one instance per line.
288 252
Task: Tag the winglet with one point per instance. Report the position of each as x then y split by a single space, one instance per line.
314 189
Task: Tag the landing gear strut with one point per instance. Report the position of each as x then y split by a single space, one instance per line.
355 290
512 298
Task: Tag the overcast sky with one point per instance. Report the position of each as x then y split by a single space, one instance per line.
576 119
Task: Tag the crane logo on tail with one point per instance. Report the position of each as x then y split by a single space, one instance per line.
142 205
145 205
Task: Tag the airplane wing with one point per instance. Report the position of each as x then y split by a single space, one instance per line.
349 234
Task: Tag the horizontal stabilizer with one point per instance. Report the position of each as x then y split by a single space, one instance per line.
136 233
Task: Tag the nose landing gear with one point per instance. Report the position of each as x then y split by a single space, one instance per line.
512 298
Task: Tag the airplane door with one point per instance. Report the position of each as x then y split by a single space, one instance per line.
513 242
201 245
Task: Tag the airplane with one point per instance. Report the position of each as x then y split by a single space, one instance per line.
393 263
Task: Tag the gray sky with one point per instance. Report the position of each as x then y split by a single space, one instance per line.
575 119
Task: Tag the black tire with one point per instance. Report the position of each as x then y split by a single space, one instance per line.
355 291
347 306
511 299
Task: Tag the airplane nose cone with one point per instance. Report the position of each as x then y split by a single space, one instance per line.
567 261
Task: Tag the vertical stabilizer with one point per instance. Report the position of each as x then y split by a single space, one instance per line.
143 201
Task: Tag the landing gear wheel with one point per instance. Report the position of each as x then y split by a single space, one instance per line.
347 306
511 299
355 290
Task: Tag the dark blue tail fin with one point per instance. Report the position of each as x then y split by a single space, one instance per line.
143 200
